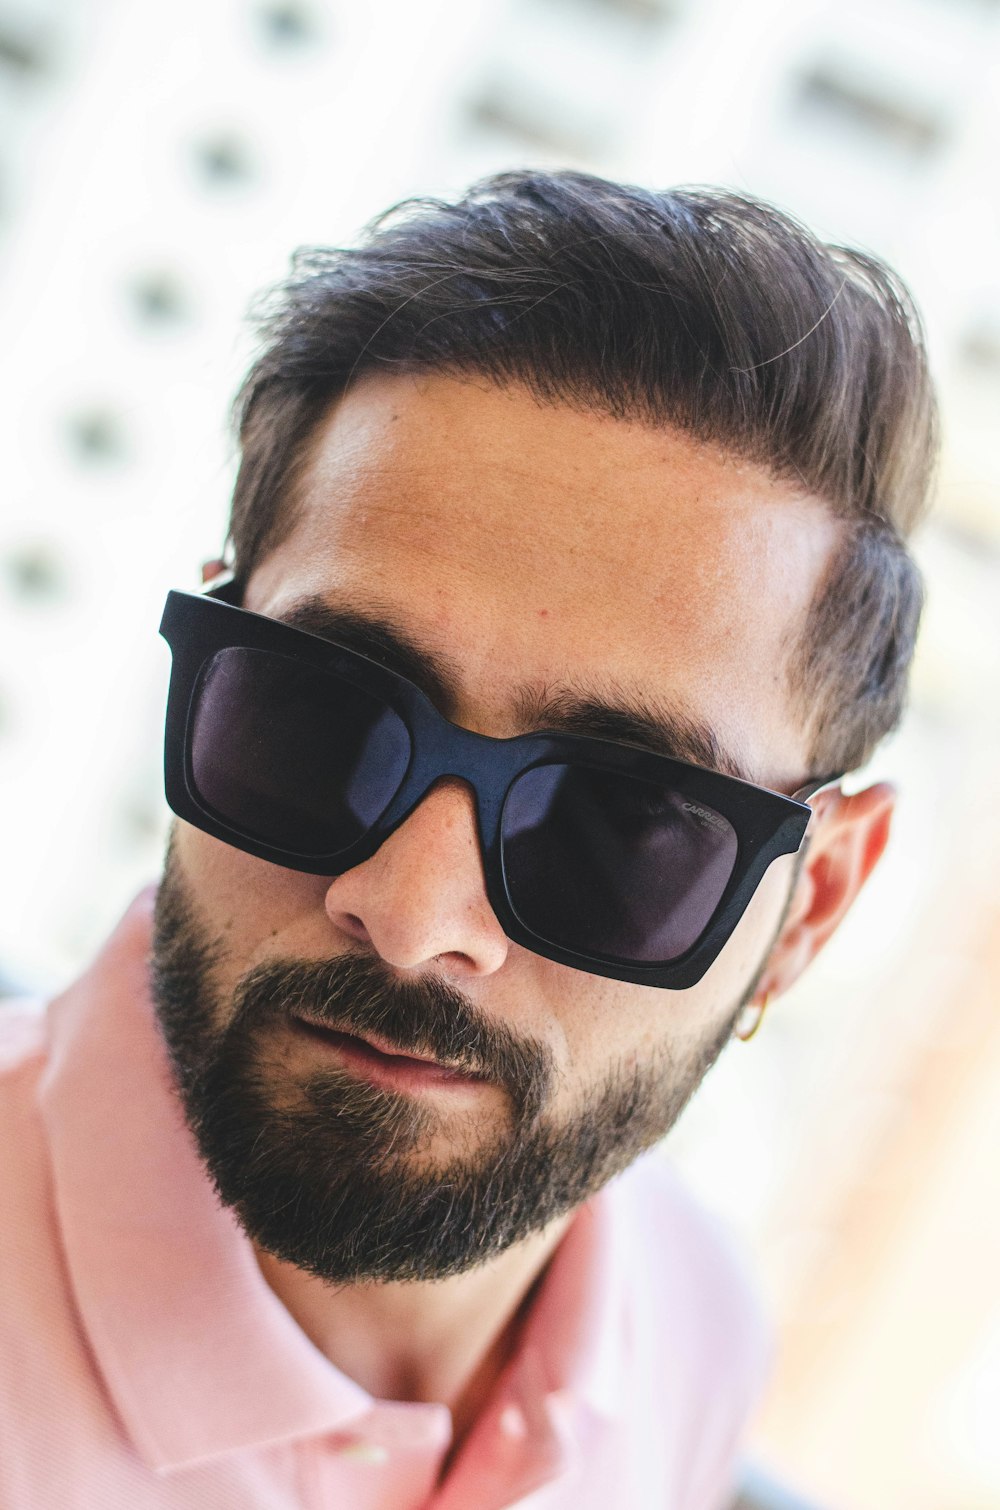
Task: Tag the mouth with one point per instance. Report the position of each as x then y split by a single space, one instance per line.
371 1058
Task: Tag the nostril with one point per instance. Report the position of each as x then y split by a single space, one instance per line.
353 925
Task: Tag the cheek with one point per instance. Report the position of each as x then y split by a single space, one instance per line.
254 909
600 1026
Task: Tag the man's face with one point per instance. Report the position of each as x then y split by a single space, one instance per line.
529 553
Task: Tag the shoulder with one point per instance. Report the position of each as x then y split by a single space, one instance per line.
27 1235
44 1362
23 1056
25 1179
694 1342
685 1254
23 1043
699 1337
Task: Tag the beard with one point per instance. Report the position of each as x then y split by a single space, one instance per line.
337 1175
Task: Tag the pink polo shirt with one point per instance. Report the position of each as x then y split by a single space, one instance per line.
145 1364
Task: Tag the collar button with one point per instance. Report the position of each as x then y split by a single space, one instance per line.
362 1452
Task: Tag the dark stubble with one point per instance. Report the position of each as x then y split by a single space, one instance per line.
333 1174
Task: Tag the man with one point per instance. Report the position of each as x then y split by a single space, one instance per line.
568 578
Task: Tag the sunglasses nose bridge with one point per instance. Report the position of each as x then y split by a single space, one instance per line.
481 762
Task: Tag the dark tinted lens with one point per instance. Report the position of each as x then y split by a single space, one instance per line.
611 865
292 755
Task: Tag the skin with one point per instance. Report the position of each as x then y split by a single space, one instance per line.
532 549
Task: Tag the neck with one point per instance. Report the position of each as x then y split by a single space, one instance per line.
445 1341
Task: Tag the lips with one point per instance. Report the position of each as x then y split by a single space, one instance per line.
373 1058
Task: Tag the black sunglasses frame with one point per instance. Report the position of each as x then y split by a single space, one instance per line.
767 824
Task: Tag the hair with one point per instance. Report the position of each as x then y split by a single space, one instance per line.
704 310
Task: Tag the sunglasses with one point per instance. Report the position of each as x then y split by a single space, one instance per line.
599 855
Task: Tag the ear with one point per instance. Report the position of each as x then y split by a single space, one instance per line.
845 840
210 569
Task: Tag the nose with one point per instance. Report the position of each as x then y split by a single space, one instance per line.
421 898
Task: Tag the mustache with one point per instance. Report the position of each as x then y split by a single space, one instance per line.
356 994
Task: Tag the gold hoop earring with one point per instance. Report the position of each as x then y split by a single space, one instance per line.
750 1018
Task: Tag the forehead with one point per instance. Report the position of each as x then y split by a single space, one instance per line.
536 547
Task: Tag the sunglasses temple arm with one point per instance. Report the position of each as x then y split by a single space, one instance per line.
822 784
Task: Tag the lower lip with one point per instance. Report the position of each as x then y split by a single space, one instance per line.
395 1072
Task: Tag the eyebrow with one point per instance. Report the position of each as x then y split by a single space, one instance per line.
625 718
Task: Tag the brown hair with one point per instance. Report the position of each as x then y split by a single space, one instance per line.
709 311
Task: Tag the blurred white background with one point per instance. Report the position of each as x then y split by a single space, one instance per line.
157 166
